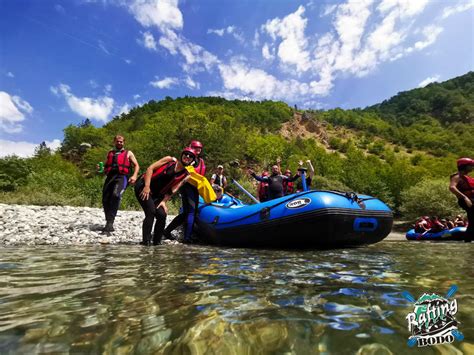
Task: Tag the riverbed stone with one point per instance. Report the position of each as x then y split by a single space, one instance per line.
66 225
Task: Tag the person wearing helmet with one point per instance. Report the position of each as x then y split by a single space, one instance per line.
190 199
462 186
154 188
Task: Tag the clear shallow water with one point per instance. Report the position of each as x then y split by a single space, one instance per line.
192 299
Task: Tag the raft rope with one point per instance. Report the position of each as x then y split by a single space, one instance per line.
349 195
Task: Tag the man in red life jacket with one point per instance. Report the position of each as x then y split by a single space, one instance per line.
190 199
117 168
462 186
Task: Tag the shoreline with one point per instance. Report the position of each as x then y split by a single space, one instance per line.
29 225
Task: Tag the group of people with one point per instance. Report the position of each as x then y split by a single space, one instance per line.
153 189
168 175
434 224
276 184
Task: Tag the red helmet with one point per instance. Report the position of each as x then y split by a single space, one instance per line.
265 173
196 144
189 152
465 162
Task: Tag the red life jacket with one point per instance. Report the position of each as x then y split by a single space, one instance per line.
177 177
123 162
466 185
288 187
263 191
201 167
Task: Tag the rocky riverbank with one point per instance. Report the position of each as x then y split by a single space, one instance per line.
66 225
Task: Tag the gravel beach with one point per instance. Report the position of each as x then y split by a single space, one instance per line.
66 225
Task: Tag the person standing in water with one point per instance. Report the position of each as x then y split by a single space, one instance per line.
190 199
117 168
155 188
462 186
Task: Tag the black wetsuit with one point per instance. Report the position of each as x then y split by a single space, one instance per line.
275 184
157 184
189 215
114 186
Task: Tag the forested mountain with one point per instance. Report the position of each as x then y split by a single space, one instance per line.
382 150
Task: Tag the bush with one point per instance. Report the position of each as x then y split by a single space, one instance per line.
431 198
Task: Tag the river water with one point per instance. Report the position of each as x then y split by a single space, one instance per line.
177 299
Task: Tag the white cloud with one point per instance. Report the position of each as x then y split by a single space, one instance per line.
231 30
24 149
12 111
293 46
451 10
92 108
430 33
428 80
136 97
191 83
10 74
148 41
163 14
328 9
267 52
165 83
128 61
125 108
258 84
219 32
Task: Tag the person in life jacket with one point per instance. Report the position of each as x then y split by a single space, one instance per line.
190 199
263 189
275 181
288 186
154 189
117 168
219 178
462 186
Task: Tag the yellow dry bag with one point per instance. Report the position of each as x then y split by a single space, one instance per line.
202 185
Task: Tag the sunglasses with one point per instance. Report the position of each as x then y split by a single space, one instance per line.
188 155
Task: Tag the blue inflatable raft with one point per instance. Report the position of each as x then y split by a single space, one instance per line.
458 233
308 219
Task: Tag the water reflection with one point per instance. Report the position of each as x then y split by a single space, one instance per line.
174 299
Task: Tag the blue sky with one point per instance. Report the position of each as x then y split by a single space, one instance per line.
64 61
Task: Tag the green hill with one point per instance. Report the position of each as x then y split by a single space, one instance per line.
383 150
